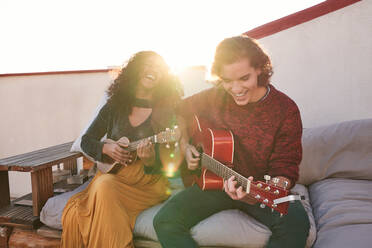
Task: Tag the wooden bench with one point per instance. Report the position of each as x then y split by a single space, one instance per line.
39 163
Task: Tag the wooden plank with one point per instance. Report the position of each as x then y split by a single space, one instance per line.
39 157
18 216
5 232
42 164
29 238
4 189
21 157
42 158
46 231
71 165
42 188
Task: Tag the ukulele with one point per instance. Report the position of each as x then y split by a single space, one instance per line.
110 166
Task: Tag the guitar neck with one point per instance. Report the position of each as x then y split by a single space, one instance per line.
133 145
222 170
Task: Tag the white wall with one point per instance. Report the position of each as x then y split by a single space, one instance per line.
44 110
39 111
325 65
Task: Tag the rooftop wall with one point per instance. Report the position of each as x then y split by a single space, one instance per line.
325 65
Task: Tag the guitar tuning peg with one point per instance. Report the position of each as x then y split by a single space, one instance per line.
267 178
275 180
167 146
285 184
175 127
175 144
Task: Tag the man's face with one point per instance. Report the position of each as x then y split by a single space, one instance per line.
239 79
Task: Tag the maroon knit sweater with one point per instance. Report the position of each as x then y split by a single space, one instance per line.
267 134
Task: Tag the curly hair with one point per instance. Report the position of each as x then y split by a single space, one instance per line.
122 92
235 48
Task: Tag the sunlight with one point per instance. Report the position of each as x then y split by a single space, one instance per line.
184 32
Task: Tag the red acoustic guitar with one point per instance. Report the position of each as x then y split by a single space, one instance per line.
216 161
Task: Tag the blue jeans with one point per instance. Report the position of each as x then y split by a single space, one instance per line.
173 222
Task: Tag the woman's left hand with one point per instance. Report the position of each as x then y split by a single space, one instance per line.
146 152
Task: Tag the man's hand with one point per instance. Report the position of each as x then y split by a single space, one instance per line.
237 193
192 157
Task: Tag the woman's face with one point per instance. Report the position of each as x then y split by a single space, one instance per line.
151 74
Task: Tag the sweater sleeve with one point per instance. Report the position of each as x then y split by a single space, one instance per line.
287 151
91 142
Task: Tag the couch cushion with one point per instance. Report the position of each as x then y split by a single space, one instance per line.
342 150
242 230
51 213
343 212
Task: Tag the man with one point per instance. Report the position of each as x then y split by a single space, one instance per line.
266 126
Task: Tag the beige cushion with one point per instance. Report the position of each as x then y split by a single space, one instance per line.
341 150
241 229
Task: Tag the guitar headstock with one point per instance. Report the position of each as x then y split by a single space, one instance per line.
169 135
266 194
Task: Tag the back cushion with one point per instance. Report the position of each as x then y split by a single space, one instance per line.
343 212
342 150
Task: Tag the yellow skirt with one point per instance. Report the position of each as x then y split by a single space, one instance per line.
104 214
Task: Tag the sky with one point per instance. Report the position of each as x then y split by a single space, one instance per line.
50 35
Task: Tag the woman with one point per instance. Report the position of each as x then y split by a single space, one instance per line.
266 126
140 104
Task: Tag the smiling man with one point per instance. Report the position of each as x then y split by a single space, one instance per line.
266 128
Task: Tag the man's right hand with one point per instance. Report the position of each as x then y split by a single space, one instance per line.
192 157
116 151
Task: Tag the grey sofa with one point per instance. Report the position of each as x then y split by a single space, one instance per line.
335 177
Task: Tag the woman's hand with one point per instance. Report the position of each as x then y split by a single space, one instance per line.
116 151
146 152
192 157
237 193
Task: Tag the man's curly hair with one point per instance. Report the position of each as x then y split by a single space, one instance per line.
232 49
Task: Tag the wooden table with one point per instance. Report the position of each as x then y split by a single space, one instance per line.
39 163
